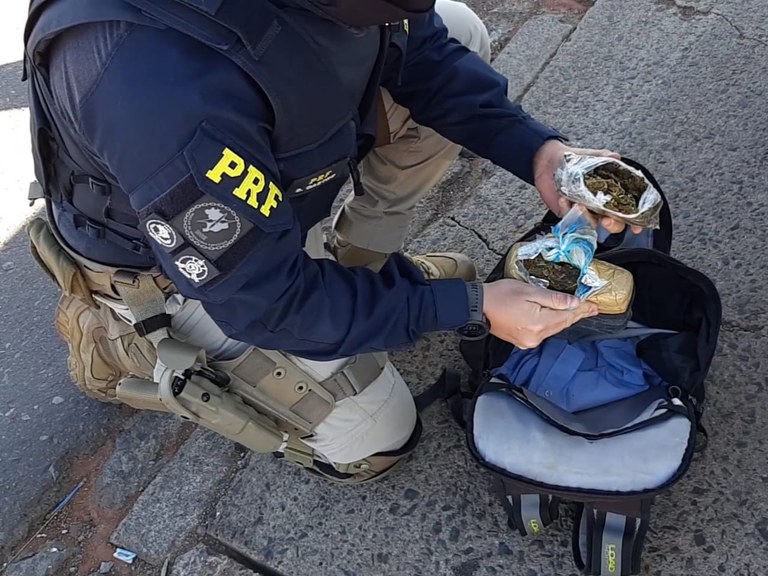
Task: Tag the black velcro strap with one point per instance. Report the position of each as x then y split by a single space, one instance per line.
100 201
702 436
36 192
608 543
448 384
579 544
100 187
325 468
446 387
152 323
99 231
639 540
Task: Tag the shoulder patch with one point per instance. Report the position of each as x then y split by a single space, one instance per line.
161 232
195 267
211 226
223 169
307 184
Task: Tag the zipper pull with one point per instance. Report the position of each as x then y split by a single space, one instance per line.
357 184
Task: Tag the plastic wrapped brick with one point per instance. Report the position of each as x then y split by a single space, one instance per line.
565 257
609 187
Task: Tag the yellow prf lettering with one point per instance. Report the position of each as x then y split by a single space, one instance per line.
274 196
535 526
249 188
321 177
230 164
610 555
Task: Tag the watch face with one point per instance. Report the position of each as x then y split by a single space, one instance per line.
473 331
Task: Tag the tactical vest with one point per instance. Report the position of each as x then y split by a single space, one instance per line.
311 135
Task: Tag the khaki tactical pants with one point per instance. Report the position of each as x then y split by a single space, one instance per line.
378 417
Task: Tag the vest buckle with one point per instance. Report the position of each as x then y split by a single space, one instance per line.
95 231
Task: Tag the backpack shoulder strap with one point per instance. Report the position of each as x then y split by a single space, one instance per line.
448 388
527 512
608 539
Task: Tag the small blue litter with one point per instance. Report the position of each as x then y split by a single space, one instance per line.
125 555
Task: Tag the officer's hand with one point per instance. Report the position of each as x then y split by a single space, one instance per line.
547 160
525 315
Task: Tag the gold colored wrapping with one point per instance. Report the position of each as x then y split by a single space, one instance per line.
614 298
617 295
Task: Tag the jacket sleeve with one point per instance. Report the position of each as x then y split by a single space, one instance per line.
173 121
454 91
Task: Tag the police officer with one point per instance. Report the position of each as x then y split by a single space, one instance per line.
207 139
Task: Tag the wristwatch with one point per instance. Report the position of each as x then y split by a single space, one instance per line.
478 326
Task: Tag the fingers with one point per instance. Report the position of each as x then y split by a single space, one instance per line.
550 322
555 321
612 225
551 299
593 152
563 205
525 315
615 226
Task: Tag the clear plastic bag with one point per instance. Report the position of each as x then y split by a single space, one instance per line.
642 196
573 241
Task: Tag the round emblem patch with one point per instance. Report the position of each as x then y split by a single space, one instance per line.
212 226
161 233
192 267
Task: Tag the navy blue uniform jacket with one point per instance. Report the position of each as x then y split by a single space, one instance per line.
122 87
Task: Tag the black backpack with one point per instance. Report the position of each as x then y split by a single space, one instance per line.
611 461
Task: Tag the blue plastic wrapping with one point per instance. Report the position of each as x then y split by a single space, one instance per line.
572 240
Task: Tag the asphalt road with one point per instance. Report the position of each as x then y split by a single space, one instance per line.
44 421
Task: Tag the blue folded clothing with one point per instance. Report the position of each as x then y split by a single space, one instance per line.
580 375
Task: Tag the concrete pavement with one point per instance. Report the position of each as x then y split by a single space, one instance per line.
679 86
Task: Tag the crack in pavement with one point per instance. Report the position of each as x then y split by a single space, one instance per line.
547 62
738 30
735 326
225 549
685 10
477 234
690 11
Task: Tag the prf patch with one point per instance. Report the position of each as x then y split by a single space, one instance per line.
250 183
333 172
228 173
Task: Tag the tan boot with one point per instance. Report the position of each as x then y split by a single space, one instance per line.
442 265
350 255
434 266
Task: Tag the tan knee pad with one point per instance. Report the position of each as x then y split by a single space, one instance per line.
374 467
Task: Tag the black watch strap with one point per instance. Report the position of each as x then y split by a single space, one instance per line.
477 327
475 293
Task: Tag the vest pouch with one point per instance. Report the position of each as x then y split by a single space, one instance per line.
103 349
56 262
